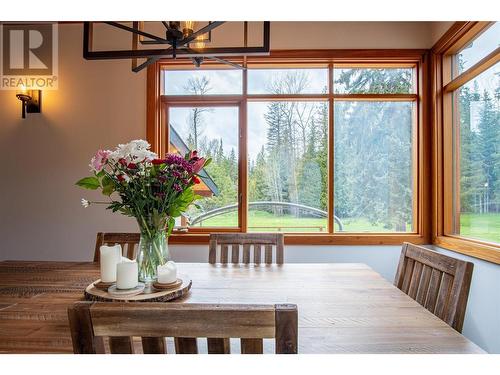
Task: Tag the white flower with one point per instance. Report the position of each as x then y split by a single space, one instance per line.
85 203
133 152
140 144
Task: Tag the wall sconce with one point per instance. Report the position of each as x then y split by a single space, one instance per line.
31 101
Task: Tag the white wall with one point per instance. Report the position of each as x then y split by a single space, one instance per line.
102 103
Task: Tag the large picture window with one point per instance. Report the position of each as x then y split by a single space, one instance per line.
288 157
477 147
470 149
322 148
373 165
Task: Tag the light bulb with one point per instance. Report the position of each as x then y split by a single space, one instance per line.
199 42
187 28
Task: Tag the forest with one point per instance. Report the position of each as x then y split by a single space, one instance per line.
373 155
479 163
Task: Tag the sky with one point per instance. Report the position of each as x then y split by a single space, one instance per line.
488 80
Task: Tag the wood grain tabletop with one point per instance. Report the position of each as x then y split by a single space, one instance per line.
343 308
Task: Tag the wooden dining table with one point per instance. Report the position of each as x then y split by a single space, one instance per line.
343 308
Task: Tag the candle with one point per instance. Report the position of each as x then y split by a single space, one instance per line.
110 256
167 273
127 275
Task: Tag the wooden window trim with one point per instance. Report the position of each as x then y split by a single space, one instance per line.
442 87
156 116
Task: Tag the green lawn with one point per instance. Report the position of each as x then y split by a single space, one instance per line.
481 226
484 227
264 221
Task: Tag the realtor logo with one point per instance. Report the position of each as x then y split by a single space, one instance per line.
28 58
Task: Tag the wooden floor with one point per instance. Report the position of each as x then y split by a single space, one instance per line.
343 308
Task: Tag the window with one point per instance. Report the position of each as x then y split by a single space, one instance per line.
288 156
374 81
373 166
478 48
325 152
202 82
213 131
476 123
287 81
471 143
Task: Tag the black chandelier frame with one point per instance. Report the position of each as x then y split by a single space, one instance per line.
178 44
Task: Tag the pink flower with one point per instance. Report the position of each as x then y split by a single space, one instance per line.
198 165
193 154
99 160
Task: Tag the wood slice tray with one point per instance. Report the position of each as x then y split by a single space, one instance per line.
150 294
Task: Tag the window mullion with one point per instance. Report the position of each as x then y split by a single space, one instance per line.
243 157
331 172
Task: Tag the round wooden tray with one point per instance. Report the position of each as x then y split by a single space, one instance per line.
150 294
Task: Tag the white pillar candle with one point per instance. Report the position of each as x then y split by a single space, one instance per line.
127 275
167 273
110 256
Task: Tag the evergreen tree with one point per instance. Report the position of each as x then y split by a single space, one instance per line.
488 148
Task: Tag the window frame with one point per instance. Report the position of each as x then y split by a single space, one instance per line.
157 132
444 152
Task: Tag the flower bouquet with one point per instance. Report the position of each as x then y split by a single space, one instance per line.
152 190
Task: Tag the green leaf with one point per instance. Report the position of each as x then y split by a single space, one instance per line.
100 174
91 183
108 187
207 162
171 224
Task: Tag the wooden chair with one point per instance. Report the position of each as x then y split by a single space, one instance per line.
438 282
90 322
129 242
258 241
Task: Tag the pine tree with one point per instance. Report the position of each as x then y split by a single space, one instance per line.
258 188
488 147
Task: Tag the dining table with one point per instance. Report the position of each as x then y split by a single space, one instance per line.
342 307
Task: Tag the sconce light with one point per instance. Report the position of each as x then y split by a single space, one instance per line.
31 101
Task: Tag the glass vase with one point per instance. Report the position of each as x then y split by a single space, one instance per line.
152 252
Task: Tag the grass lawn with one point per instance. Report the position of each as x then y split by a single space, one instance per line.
264 221
481 226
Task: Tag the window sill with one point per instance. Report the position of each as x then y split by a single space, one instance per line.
317 239
476 249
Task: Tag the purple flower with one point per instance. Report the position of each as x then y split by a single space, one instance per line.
178 163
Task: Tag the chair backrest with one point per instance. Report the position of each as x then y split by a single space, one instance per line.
252 245
129 242
90 322
438 282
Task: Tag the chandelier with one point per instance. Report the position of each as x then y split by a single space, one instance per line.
180 40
